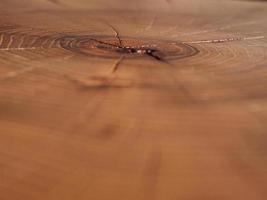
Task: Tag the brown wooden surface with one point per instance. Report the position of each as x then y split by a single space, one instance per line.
186 129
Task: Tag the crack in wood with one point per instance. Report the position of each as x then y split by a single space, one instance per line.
116 64
116 33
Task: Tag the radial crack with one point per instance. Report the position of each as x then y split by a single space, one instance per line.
116 33
116 64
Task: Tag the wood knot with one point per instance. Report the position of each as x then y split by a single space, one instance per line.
108 47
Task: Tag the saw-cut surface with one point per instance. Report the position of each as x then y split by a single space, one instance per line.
133 100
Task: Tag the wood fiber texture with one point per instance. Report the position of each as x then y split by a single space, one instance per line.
133 100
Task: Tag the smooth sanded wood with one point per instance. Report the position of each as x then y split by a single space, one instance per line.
72 127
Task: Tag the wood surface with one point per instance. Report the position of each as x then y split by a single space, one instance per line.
91 121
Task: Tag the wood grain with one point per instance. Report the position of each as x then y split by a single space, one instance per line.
159 100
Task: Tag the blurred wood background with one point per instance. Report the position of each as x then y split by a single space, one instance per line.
192 128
